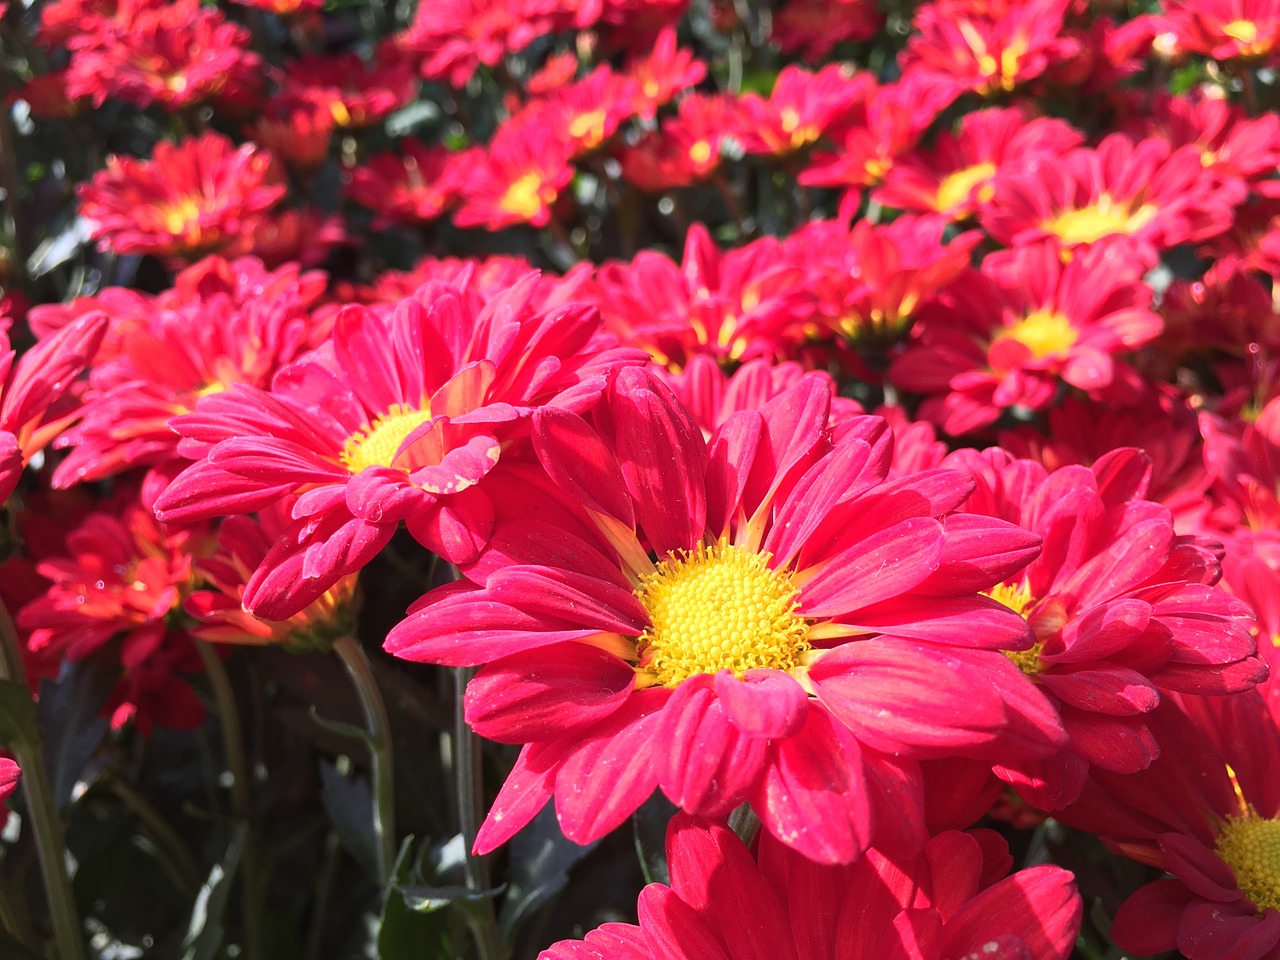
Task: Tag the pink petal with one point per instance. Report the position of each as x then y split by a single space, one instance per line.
978 552
674 930
886 564
609 941
730 454
1210 932
763 703
526 790
1147 922
1116 691
457 527
579 462
1039 906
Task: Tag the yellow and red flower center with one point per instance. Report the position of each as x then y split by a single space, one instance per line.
1245 31
719 607
1045 333
800 133
1100 219
955 188
1019 598
524 197
1250 846
376 444
1002 74
182 219
700 152
588 128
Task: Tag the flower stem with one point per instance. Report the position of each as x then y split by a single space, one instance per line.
468 774
45 825
378 726
241 803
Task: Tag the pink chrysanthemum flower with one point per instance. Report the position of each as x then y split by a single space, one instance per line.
1012 334
1226 29
400 418
587 113
1148 191
686 148
756 618
412 184
1231 144
186 348
356 93
32 388
667 71
1122 608
812 28
802 107
938 904
455 36
189 199
516 179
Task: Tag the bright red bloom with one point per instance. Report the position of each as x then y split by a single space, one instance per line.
686 148
940 904
955 176
1231 144
123 576
189 199
412 184
811 28
1207 812
46 94
802 108
356 93
733 305
284 8
587 113
1121 606
667 71
1146 190
186 348
400 418
32 389
177 54
516 179
1245 466
61 20
556 71
294 237
1226 29
1010 335
759 618
298 132
455 36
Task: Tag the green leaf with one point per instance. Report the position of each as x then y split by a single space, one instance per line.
406 933
18 727
339 727
349 804
70 716
541 857
423 899
204 930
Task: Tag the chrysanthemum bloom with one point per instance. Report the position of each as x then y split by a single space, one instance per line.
400 418
587 113
489 277
186 349
63 20
1251 570
123 577
412 184
356 93
294 236
812 28
243 544
733 305
454 38
802 107
177 54
757 618
10 774
939 904
284 8
1028 323
1121 606
955 176
870 282
46 95
556 71
297 132
189 199
1146 190
1231 143
32 389
516 179
1207 812
686 148
1252 243
1227 29
667 70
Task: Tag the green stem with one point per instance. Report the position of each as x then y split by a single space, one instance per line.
378 726
45 825
241 803
469 783
180 861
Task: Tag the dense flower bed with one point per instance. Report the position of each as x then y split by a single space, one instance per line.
640 479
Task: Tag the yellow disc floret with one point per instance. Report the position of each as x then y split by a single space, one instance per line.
376 445
719 607
1045 333
1250 846
1101 219
1018 598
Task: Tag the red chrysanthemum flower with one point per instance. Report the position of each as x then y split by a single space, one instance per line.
122 578
412 184
455 36
556 71
1207 812
1226 29
189 199
757 618
802 107
297 132
940 904
812 28
733 305
667 70
1121 606
1231 144
185 349
284 8
686 148
1010 335
400 418
294 237
955 176
516 179
31 391
356 93
176 54
1148 191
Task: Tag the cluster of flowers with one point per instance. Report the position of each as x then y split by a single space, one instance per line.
970 491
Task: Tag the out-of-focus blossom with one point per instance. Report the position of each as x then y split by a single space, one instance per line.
686 148
802 107
454 37
294 236
516 179
587 113
667 71
1226 29
298 132
284 8
811 28
412 184
191 198
356 93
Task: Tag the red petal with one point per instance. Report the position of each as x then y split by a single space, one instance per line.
525 791
1147 922
579 462
764 703
1039 906
884 565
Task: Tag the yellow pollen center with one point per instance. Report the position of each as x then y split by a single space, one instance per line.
955 189
377 444
524 197
1045 333
1246 31
716 608
588 128
1250 846
1101 219
1018 598
182 218
700 152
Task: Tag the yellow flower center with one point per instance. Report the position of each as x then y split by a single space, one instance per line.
955 189
1045 333
719 607
588 128
1246 31
182 218
1102 219
700 152
524 197
376 444
1250 846
1018 598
